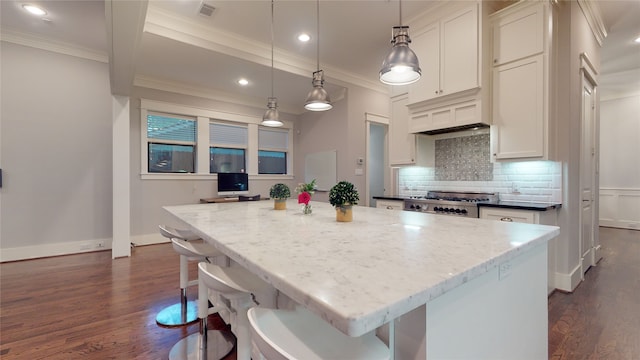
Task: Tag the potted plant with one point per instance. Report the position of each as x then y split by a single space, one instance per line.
279 193
343 196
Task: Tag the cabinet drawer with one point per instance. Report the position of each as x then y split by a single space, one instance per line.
509 215
389 204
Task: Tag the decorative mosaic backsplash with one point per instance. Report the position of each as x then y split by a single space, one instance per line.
463 159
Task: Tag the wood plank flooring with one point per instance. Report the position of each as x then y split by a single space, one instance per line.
87 306
601 318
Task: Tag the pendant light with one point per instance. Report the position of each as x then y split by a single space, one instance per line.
272 117
401 66
318 98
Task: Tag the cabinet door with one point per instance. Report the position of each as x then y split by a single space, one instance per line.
459 52
519 34
402 144
518 109
426 44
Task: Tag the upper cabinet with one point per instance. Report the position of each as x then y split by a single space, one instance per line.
449 56
518 34
521 92
453 86
406 148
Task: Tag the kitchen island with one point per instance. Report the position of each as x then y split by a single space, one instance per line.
458 287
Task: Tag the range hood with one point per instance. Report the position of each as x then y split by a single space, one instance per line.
475 126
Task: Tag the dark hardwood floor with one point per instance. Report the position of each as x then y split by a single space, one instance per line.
87 306
601 318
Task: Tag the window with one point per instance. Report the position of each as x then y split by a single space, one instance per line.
272 151
171 144
227 148
181 142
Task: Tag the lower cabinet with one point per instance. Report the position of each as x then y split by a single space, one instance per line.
548 217
389 204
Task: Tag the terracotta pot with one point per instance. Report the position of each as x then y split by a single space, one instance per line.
344 213
280 204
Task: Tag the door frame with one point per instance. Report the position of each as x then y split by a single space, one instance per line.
378 119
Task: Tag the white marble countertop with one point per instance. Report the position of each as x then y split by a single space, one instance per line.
359 275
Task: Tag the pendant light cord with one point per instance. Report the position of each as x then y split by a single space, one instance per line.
318 34
400 12
272 48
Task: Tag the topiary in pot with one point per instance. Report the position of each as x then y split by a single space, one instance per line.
279 193
343 196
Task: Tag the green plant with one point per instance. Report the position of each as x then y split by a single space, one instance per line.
279 191
308 187
343 193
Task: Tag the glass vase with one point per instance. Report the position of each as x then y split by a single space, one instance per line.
306 209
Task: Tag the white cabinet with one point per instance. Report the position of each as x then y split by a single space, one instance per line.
548 217
406 148
389 204
448 116
520 88
519 109
448 51
518 34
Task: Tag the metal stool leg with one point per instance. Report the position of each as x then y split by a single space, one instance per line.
185 312
206 344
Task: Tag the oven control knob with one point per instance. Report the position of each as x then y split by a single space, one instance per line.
412 206
463 211
418 207
447 210
457 211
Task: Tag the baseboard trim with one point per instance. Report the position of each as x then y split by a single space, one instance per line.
57 249
568 282
73 247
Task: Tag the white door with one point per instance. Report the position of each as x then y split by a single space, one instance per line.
587 175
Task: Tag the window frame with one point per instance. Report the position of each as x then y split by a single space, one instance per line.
204 117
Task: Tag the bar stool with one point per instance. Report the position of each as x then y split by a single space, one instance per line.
299 334
232 290
185 312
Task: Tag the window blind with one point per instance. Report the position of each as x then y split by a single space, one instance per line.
273 139
169 128
222 134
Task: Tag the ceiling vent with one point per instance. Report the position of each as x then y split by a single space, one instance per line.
206 9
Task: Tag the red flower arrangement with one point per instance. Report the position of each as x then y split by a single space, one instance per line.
304 198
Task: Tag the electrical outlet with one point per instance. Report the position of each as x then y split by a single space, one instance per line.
504 270
100 245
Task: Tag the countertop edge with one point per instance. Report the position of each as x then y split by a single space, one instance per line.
521 205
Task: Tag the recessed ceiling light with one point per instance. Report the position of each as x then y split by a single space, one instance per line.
304 37
637 40
243 82
35 10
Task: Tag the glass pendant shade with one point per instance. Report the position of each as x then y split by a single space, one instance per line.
318 98
401 66
271 117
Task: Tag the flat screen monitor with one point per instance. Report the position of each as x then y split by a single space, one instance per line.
232 184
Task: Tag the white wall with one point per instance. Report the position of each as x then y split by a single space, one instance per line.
55 153
619 162
620 142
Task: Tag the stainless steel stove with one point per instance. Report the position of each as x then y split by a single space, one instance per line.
449 202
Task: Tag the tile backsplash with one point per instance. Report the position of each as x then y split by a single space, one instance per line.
463 158
539 181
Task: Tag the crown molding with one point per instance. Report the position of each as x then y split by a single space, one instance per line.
59 47
206 93
592 14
